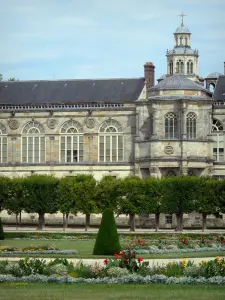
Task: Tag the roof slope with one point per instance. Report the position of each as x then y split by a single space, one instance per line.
219 93
70 91
178 82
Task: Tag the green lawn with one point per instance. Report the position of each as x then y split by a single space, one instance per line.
21 291
85 248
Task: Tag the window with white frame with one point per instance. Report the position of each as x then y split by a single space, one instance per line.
33 143
71 142
3 144
171 126
110 141
191 125
218 138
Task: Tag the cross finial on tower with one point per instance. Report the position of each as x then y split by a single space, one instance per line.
182 18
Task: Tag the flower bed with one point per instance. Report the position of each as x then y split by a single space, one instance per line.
47 249
123 268
176 245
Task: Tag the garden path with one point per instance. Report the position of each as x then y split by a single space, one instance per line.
152 262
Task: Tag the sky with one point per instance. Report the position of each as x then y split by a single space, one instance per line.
71 39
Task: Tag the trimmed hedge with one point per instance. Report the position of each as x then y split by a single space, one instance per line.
107 241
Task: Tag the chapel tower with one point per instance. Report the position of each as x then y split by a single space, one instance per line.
182 59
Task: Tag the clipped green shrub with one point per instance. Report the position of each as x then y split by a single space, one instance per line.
2 236
107 241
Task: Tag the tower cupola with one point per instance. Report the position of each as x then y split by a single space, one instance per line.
182 59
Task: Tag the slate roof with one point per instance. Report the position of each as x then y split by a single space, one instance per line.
70 91
182 50
182 29
178 82
214 75
219 92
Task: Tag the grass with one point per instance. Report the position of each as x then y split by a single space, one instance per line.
85 249
23 291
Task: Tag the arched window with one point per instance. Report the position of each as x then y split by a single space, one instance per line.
191 125
191 67
110 141
181 41
177 67
186 41
3 144
33 143
71 142
181 67
171 130
188 67
218 137
217 125
171 68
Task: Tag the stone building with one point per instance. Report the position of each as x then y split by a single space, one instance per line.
118 127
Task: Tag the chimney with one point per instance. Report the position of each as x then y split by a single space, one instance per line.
149 70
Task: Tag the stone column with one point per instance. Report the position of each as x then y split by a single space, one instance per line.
184 123
154 132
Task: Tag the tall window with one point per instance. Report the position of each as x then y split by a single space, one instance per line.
3 144
171 126
171 68
71 142
218 137
110 141
180 67
191 125
33 143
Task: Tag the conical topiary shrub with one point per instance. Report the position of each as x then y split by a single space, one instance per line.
2 236
107 241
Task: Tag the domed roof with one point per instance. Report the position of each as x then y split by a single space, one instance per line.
214 75
182 29
182 50
177 82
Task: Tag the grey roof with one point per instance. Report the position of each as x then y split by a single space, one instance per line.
178 82
182 50
214 75
70 91
182 29
219 92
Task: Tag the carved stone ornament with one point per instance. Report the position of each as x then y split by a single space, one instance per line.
168 150
51 123
13 124
90 123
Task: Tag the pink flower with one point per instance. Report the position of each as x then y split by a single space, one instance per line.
140 259
116 256
106 261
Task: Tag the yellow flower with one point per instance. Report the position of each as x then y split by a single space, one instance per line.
202 262
217 258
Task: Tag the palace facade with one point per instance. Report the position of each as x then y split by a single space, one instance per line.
117 127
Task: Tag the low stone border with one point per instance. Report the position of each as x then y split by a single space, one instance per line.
135 279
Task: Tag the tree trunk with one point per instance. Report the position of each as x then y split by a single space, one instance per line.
87 221
20 221
41 220
157 221
204 216
17 223
132 222
179 222
65 220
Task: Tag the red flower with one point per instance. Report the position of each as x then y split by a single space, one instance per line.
116 256
139 259
106 261
133 254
